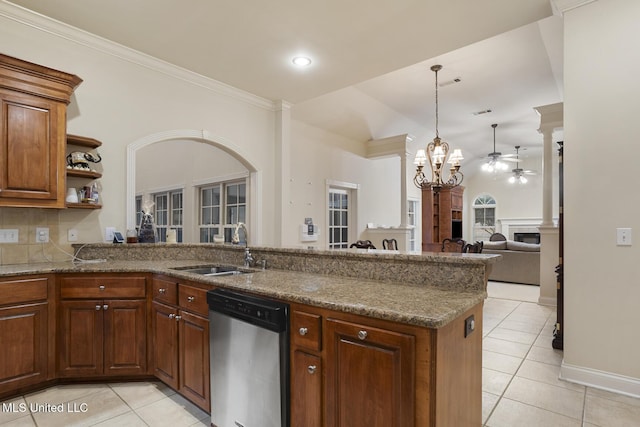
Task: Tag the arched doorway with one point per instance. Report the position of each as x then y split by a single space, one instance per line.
200 136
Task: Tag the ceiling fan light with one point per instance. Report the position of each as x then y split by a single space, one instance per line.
523 180
512 180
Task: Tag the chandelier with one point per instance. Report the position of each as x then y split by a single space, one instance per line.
437 154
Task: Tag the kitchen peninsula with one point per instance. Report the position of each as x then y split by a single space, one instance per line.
390 337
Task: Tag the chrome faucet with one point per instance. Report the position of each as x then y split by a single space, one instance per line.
248 258
236 237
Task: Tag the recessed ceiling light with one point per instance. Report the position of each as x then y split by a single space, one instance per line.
301 61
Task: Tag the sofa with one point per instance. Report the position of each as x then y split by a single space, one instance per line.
520 261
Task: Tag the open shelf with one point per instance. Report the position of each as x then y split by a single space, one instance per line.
84 206
83 174
83 141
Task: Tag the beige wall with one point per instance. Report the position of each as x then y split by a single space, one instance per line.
602 280
514 201
121 101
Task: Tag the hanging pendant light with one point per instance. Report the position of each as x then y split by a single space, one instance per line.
436 154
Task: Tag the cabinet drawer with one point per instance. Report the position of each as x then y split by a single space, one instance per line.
103 287
23 290
193 299
165 291
306 330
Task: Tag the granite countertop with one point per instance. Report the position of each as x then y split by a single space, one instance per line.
419 305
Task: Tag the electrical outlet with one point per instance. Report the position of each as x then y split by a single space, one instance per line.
72 235
108 234
42 234
469 325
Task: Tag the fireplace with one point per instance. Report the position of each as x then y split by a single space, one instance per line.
527 237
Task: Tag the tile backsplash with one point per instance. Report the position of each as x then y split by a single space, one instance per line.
26 220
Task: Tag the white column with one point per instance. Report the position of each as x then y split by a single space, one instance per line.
403 190
551 118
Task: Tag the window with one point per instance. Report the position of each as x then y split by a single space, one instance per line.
168 214
138 212
338 218
484 219
161 215
412 222
222 206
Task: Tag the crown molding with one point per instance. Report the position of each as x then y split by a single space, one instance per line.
48 25
560 7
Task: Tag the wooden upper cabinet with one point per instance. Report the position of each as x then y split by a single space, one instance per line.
33 124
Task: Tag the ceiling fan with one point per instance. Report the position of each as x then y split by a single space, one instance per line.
495 159
519 173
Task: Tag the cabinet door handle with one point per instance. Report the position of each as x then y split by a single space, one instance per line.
191 299
303 331
101 287
105 307
178 318
162 290
312 369
172 316
362 335
98 307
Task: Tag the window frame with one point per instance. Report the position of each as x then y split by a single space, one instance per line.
484 202
226 219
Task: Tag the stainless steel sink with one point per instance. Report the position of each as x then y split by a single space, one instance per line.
215 270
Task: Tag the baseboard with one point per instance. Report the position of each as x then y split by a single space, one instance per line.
548 301
600 379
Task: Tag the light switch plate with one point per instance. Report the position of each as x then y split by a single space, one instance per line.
72 235
623 236
9 235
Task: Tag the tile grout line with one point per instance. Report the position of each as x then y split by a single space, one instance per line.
524 358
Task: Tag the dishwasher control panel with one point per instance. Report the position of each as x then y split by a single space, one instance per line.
262 312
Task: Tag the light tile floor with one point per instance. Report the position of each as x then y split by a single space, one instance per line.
520 385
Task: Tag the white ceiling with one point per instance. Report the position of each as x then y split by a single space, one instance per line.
371 73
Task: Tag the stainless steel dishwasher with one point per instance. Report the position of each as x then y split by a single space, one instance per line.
249 351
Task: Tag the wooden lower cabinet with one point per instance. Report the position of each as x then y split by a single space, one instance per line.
370 376
181 339
194 359
102 326
165 348
102 337
23 352
306 391
25 333
380 373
